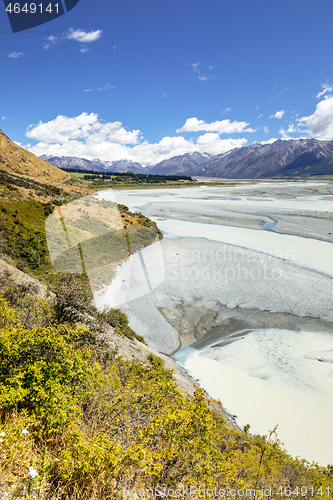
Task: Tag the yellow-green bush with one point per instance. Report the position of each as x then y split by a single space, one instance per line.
93 424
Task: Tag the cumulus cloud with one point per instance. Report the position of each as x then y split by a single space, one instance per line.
15 55
78 35
284 134
85 126
292 129
88 137
212 143
327 89
84 36
320 123
221 127
278 114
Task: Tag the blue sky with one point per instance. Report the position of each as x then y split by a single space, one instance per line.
150 79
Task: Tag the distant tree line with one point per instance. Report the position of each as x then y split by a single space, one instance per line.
92 174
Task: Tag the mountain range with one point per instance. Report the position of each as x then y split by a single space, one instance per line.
187 164
282 158
73 162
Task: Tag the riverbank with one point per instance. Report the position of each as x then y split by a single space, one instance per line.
236 275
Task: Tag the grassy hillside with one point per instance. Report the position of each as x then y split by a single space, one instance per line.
24 207
19 161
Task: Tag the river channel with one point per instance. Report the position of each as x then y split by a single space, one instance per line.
240 291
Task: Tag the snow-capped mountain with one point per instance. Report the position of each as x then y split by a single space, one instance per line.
73 162
282 158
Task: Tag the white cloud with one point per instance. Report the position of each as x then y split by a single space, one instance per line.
266 130
278 114
284 134
327 89
269 141
212 143
84 36
221 127
101 89
320 123
15 55
49 41
196 68
87 136
292 129
277 96
226 110
85 126
78 35
4 118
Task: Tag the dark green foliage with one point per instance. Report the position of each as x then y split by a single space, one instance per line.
155 361
23 234
12 182
129 177
23 296
73 297
119 321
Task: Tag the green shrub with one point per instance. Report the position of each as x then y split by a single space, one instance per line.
91 424
119 321
155 361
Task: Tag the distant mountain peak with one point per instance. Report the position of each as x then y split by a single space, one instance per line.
73 162
281 158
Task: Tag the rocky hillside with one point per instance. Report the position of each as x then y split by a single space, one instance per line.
188 164
280 159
